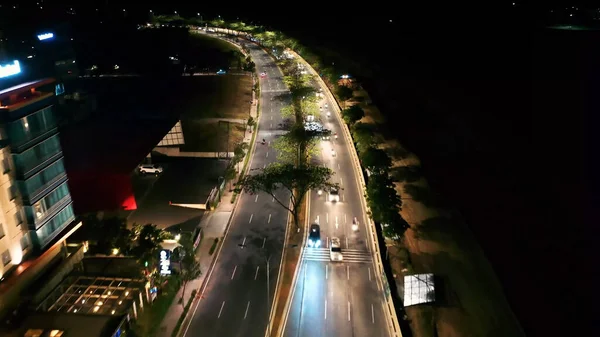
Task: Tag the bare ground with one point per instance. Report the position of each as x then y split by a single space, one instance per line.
469 298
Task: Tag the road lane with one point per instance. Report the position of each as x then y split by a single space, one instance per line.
353 300
257 230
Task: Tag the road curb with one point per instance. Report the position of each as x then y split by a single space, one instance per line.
288 303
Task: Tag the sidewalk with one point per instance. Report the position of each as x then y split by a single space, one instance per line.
213 225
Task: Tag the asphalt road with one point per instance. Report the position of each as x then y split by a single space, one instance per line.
337 298
235 301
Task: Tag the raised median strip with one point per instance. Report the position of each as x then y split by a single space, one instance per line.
292 254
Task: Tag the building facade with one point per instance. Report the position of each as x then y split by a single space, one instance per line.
36 211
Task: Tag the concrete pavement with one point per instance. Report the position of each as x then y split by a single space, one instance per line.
240 288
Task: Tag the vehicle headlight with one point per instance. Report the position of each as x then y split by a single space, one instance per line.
310 243
318 243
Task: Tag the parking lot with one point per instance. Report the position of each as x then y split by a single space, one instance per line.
183 181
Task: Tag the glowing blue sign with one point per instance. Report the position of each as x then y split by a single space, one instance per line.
10 69
45 36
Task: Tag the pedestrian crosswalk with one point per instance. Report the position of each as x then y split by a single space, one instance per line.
350 255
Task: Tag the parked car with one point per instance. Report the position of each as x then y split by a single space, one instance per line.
150 169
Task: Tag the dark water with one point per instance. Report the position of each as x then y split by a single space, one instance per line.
503 119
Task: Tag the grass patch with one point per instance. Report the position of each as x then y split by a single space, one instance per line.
213 247
149 320
290 261
227 96
211 136
185 311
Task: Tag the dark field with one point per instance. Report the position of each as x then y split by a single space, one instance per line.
504 125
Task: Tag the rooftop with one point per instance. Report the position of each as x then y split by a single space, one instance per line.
72 325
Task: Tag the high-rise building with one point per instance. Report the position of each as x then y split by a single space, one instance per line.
36 211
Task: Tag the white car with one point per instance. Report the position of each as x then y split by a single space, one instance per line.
332 152
326 105
335 250
334 195
150 169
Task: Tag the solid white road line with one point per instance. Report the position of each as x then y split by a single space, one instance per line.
348 311
256 199
326 272
369 273
372 314
221 310
325 309
347 272
264 241
269 220
256 274
233 274
247 306
251 215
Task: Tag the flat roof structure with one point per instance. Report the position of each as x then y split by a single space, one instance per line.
91 302
71 325
418 289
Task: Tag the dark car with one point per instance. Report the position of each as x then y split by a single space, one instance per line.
314 236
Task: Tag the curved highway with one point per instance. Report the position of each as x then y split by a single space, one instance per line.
235 301
337 298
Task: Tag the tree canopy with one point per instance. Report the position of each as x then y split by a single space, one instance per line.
376 160
353 114
297 181
382 198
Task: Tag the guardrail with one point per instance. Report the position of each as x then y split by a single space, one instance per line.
390 310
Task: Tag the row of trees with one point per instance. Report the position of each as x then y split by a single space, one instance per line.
293 172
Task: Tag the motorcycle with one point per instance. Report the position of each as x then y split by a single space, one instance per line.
355 224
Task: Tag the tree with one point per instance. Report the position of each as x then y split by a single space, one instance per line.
344 93
297 146
382 198
376 160
363 135
287 111
230 173
395 226
353 114
188 263
239 152
147 240
107 234
295 180
309 106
